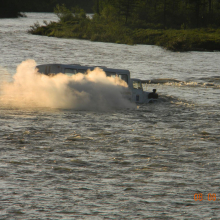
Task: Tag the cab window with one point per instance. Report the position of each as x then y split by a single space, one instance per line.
111 74
70 72
137 85
123 77
47 70
81 71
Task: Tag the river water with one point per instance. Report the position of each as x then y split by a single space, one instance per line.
154 161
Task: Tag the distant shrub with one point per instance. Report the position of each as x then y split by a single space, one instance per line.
67 15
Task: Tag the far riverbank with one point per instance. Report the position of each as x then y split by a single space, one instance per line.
79 26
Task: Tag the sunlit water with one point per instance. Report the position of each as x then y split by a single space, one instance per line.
142 163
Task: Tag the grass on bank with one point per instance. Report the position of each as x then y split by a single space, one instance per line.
77 25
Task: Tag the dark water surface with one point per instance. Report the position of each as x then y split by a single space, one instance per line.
144 163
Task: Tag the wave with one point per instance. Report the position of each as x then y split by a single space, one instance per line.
211 82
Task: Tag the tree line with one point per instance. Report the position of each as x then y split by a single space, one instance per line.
14 8
177 14
166 13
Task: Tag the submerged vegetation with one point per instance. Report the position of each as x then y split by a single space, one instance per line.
124 21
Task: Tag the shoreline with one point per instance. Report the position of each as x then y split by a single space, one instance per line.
204 39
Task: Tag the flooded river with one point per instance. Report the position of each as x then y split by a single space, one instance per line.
154 161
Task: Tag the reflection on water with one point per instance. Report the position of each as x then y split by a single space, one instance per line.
147 162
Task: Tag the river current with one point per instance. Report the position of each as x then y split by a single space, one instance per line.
153 161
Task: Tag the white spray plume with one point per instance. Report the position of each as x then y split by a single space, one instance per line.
93 91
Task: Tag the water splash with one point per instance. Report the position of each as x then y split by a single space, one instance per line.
93 91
